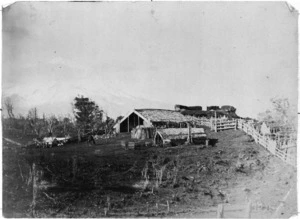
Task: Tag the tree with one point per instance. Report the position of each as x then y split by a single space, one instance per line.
87 114
36 124
9 107
282 113
119 118
109 123
51 122
65 126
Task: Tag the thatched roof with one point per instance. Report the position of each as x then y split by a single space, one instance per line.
162 115
180 133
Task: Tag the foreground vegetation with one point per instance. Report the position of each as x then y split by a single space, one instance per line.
78 180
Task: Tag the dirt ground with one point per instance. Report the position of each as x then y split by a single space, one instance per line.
104 180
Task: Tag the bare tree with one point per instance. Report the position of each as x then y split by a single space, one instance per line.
9 107
51 123
35 123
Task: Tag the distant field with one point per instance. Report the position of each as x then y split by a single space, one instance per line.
77 180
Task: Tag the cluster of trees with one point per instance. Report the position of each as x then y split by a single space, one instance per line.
87 118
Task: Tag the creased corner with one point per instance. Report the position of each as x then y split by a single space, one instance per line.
7 3
291 8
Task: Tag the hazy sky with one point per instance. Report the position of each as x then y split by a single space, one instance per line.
193 53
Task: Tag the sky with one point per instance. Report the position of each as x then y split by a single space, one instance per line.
127 55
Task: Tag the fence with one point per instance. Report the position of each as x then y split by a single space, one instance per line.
274 147
218 124
277 147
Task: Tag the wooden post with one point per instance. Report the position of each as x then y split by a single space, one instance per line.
248 210
206 142
34 189
156 209
74 167
216 128
220 211
128 123
108 202
281 205
189 138
168 207
148 207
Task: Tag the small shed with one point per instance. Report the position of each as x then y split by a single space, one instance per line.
175 136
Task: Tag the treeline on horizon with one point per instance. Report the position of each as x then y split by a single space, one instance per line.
87 117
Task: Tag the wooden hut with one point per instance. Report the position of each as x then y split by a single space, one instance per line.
158 118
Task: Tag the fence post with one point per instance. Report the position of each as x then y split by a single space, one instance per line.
216 126
220 211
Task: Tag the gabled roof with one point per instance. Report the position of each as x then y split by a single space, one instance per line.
128 114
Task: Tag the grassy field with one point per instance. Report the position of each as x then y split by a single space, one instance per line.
104 180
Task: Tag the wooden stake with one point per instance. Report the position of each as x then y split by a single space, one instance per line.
34 189
156 209
279 208
220 211
206 142
248 210
168 207
108 202
147 208
74 167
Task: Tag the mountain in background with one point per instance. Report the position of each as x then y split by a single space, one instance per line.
57 99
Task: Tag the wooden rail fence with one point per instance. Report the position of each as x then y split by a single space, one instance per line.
276 147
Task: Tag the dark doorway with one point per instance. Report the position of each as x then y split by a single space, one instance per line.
131 122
